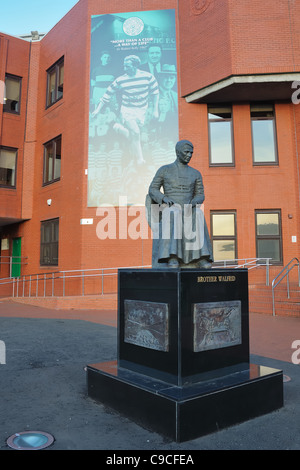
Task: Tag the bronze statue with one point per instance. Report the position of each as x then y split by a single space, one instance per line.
180 234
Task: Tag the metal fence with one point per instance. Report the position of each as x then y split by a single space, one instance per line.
249 263
94 281
13 261
285 274
65 283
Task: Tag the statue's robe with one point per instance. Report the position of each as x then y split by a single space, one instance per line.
180 230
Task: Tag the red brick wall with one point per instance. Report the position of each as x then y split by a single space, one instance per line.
30 133
207 51
14 60
205 57
111 253
67 117
264 36
231 37
246 188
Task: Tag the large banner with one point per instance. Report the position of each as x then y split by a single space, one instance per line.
133 124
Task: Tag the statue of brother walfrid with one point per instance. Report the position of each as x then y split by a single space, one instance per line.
180 234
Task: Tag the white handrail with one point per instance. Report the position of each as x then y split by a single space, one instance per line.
250 263
83 273
68 274
280 276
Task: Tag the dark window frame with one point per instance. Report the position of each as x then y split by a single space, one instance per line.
211 120
54 144
224 237
265 118
52 246
19 80
270 237
16 166
55 68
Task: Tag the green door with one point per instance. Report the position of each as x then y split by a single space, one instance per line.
16 258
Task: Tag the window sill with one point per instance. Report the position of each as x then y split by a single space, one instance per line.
49 183
55 105
275 164
222 165
13 116
50 266
10 188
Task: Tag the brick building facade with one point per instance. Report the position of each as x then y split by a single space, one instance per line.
238 76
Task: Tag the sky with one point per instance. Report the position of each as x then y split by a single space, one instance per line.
20 17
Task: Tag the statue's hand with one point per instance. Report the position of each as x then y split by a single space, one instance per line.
195 201
167 200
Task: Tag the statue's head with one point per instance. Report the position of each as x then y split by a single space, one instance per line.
182 143
184 151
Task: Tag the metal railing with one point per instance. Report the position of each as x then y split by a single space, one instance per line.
56 283
285 273
13 260
249 263
96 281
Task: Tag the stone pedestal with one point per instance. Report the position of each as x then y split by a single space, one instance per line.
183 353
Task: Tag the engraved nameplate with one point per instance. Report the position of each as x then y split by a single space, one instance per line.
147 324
217 325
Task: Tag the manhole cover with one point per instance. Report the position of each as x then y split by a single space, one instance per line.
30 440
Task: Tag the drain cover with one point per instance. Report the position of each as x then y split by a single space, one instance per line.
30 440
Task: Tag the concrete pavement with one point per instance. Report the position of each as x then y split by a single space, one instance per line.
43 384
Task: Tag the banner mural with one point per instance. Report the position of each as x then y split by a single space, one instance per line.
133 123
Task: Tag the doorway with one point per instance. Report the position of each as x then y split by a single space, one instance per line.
16 258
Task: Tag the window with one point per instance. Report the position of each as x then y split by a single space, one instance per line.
12 94
55 82
49 242
52 160
223 231
268 235
263 127
8 165
220 136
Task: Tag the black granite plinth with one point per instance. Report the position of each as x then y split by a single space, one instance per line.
191 411
192 331
182 367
